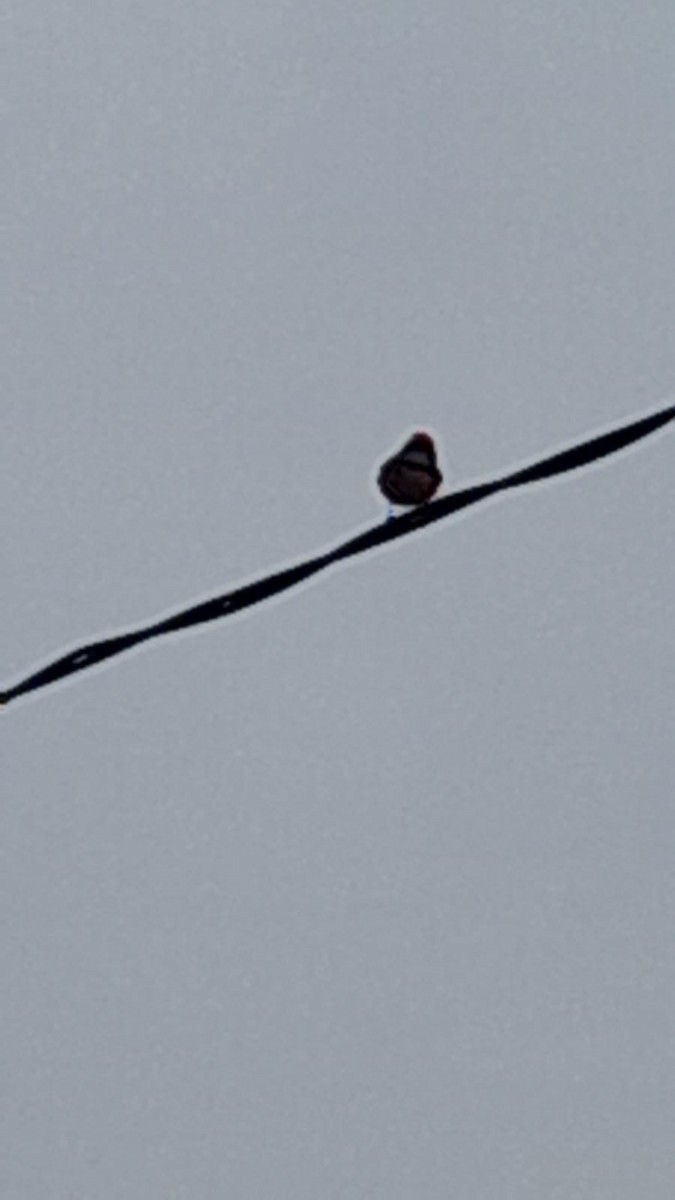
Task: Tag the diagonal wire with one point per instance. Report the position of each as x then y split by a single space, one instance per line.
572 459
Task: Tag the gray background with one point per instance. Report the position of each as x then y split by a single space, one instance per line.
370 892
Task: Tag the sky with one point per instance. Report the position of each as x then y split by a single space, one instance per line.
367 893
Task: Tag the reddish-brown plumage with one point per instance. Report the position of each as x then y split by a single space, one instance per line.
411 476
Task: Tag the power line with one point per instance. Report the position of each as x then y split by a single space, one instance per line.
240 598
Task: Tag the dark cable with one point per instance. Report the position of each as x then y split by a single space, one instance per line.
280 581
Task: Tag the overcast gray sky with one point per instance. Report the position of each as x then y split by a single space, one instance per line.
369 893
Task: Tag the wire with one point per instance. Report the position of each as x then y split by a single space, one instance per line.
250 594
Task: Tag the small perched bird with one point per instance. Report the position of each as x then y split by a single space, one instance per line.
411 476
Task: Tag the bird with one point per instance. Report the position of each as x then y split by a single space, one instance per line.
411 476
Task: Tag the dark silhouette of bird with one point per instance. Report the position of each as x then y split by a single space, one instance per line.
411 476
